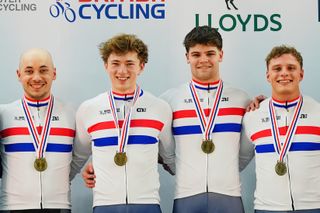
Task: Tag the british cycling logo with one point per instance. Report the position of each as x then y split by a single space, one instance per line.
62 9
107 9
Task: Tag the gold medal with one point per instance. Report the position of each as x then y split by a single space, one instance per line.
40 164
207 146
281 168
120 158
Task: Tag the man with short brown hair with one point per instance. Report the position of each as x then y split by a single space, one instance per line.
285 136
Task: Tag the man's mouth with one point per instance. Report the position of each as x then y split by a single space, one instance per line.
122 78
36 86
286 81
204 67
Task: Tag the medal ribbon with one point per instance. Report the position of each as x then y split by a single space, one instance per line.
283 149
123 134
39 140
206 124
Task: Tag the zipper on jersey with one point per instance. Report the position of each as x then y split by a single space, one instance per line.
207 155
290 186
41 205
125 166
40 173
38 111
207 175
289 176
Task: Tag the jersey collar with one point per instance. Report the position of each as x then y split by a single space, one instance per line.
205 86
37 103
124 96
285 104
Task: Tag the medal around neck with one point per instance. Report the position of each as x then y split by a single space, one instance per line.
120 158
207 146
281 168
40 164
39 139
207 123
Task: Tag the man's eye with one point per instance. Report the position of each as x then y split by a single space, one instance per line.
291 68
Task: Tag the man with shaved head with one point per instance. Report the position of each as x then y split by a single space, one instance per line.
37 133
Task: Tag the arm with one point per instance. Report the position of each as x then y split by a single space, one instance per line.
246 152
88 176
82 144
255 103
0 167
166 144
0 141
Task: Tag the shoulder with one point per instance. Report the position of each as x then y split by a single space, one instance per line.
262 110
93 101
11 106
173 93
235 91
235 96
155 101
310 100
64 106
311 104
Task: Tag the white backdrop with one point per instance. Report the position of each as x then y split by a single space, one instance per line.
249 33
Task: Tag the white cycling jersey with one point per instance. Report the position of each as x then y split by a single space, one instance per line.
137 182
299 187
23 187
196 171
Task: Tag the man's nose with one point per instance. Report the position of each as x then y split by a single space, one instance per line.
284 72
36 76
122 68
203 58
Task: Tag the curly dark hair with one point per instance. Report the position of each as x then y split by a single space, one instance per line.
203 35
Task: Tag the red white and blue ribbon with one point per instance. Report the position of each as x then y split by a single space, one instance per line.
206 125
39 139
123 133
282 148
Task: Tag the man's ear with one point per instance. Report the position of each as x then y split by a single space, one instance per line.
142 66
187 57
18 74
268 76
301 74
54 73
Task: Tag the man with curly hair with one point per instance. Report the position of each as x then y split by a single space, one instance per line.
124 128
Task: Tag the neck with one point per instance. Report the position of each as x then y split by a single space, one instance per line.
123 91
285 98
31 99
206 82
